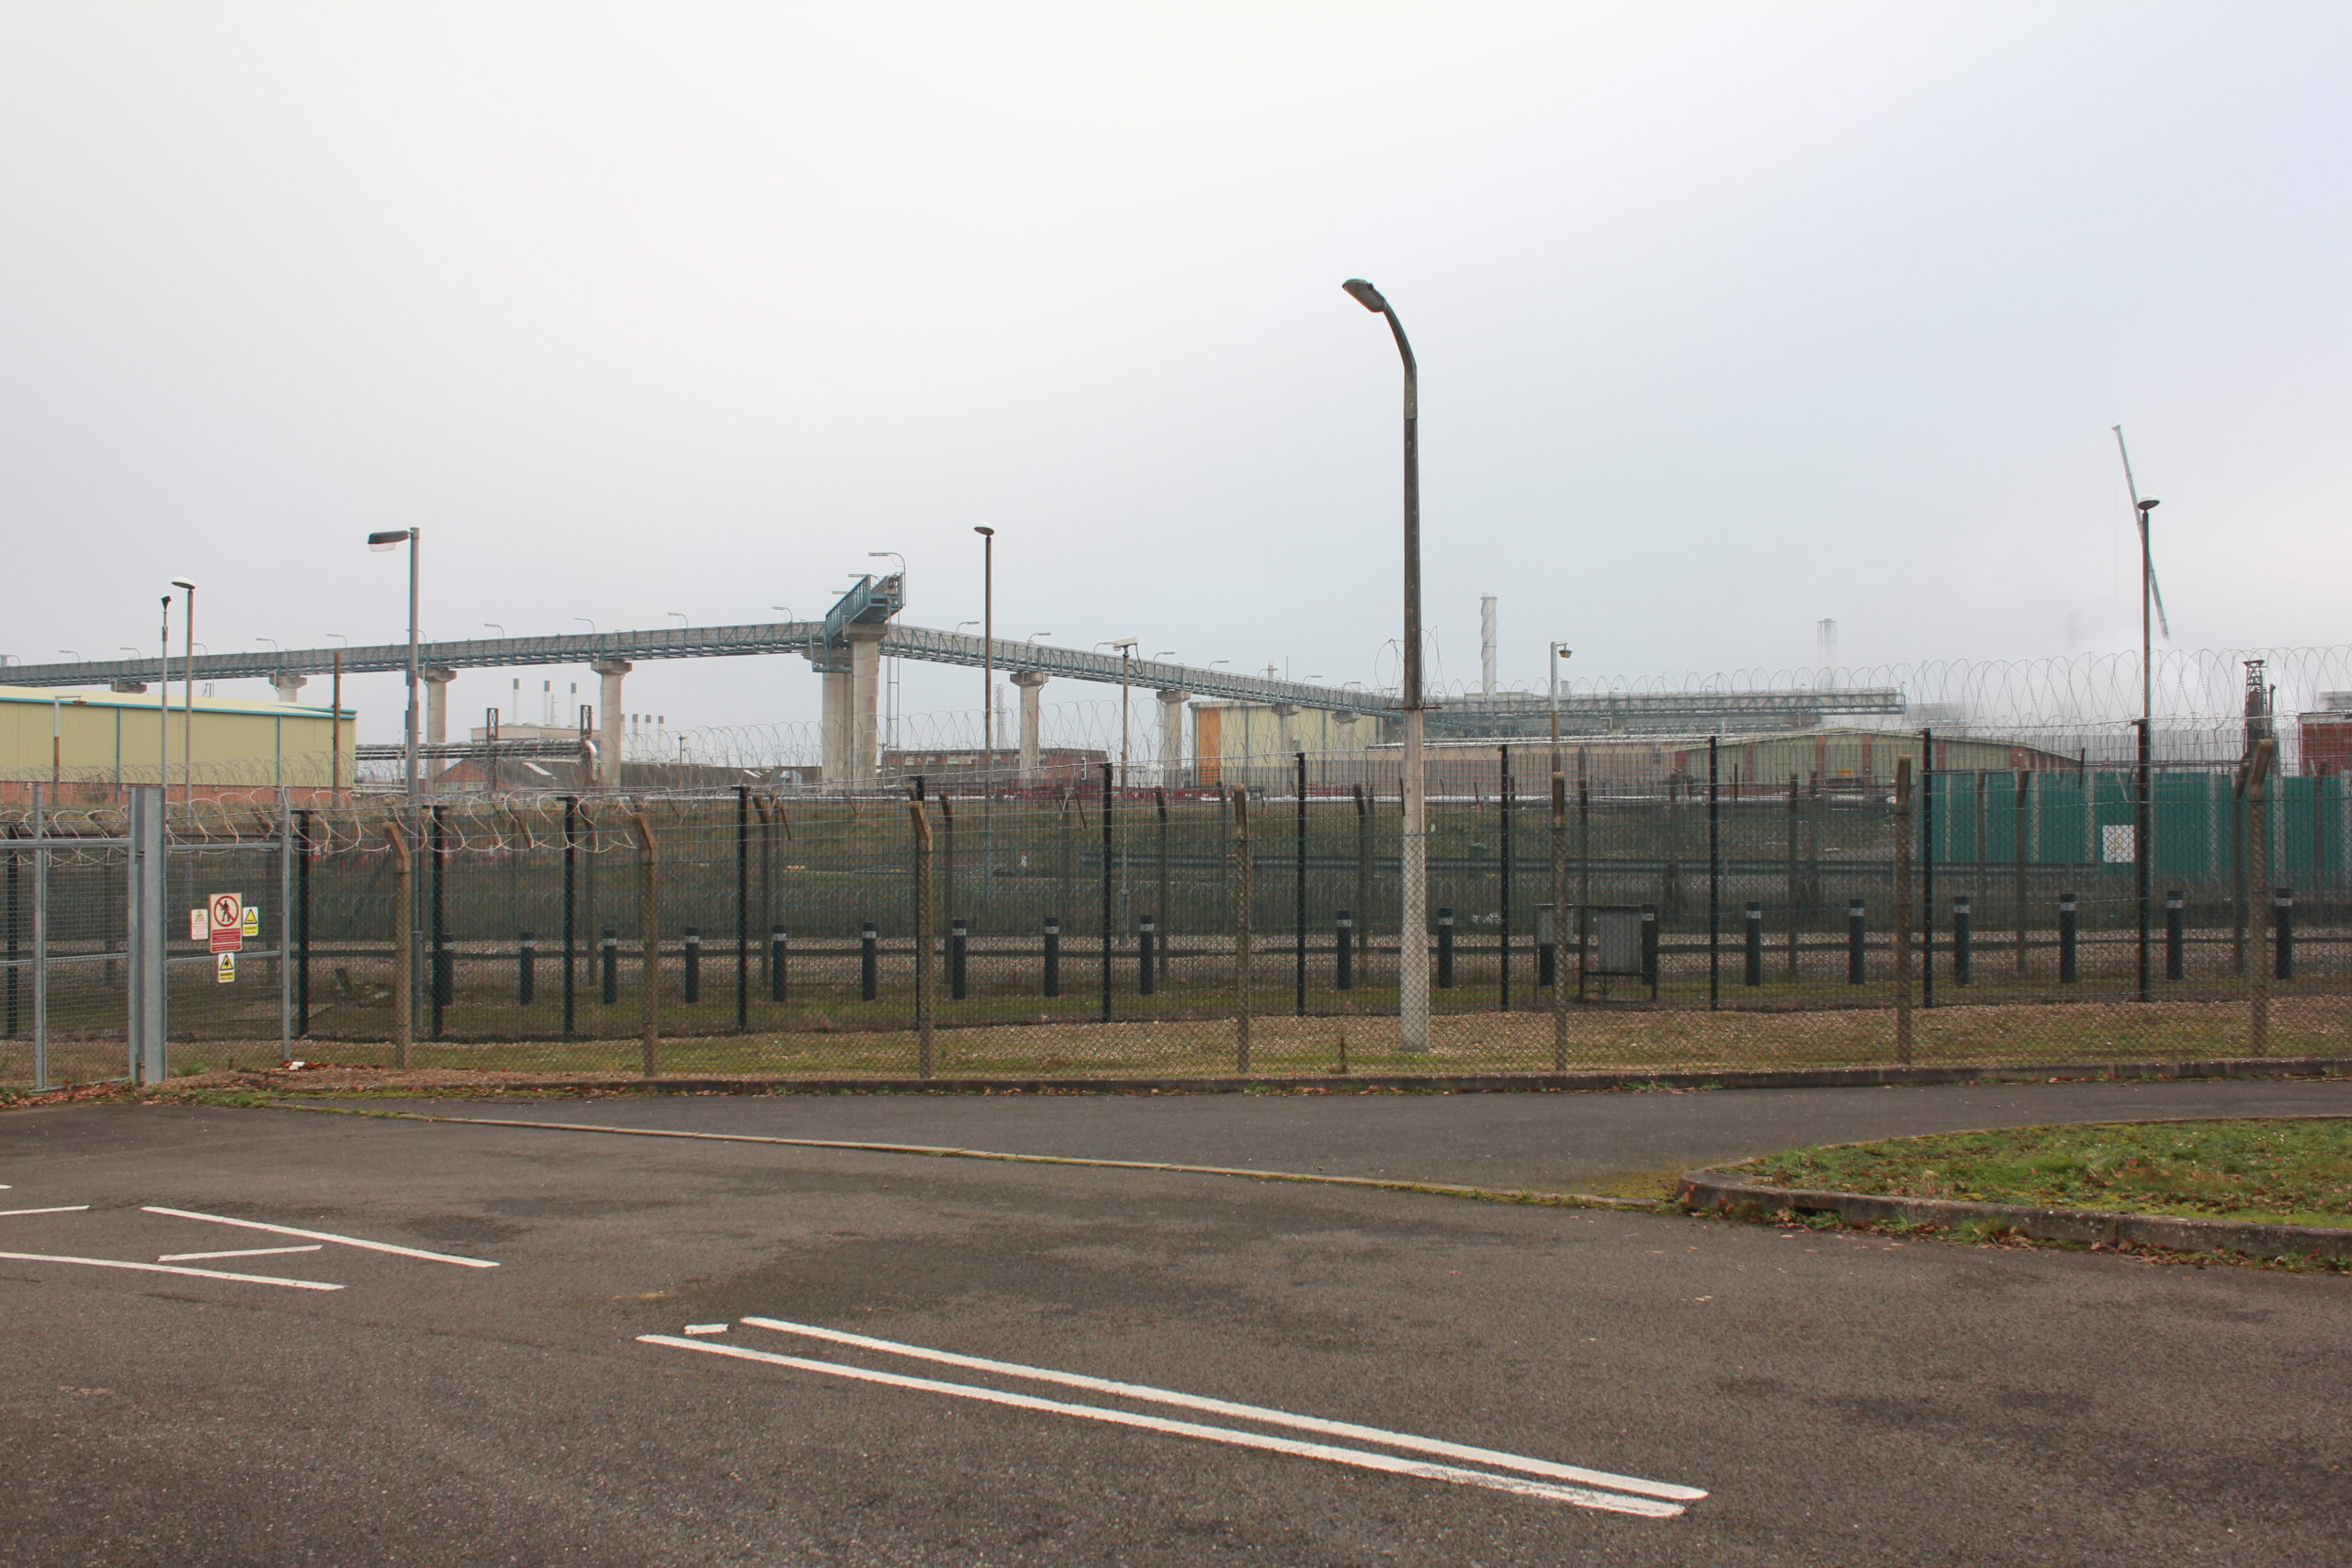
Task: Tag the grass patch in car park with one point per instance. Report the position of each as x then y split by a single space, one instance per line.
2292 1171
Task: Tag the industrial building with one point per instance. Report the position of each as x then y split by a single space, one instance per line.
88 746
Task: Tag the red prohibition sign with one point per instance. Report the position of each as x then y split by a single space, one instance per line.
225 912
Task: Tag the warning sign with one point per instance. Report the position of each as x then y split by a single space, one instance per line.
252 921
225 967
226 913
198 922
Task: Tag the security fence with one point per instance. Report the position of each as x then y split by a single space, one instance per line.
1691 916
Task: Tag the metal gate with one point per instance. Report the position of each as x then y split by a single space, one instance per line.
110 946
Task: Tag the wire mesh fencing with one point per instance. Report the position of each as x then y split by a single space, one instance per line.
1581 914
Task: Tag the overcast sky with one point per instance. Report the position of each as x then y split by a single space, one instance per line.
1731 317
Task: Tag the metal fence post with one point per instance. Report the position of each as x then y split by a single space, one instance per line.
1243 890
285 927
571 910
1903 912
1559 920
926 903
1714 874
743 907
1502 912
649 946
303 929
2255 780
145 924
40 938
404 943
1298 890
1107 924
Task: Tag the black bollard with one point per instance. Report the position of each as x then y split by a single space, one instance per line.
2283 910
776 950
694 964
2175 965
1344 951
1053 955
869 963
1962 957
960 937
1754 969
1147 930
525 984
609 950
1856 935
2066 939
1445 950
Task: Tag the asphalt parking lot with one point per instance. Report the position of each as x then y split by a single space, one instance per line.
1479 1383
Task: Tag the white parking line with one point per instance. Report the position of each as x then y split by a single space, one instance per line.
1360 1458
62 1208
325 1235
1247 1412
167 1268
241 1252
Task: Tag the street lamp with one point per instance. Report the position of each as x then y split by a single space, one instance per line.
2141 847
188 700
1412 946
494 626
683 622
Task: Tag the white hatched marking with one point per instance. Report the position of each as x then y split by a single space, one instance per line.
1360 1458
325 1235
167 1268
62 1208
241 1252
1247 1413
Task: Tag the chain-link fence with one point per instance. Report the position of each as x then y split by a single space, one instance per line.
1664 909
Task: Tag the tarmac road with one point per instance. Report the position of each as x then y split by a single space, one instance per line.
1841 1400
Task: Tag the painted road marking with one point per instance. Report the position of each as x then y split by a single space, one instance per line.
705 1328
167 1268
1360 1458
241 1252
324 1235
64 1209
1247 1413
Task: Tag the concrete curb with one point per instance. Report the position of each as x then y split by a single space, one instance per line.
1426 1083
1722 1193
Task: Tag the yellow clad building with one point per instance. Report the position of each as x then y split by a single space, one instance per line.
91 745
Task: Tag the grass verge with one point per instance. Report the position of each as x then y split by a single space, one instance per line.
2288 1171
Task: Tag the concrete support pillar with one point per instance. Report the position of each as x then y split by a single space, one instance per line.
1032 684
1286 727
609 719
289 686
866 703
851 737
436 704
1171 737
1345 723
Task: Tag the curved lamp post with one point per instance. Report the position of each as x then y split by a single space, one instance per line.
1412 943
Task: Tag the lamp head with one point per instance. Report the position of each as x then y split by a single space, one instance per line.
177 582
984 531
389 538
1365 295
2149 505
